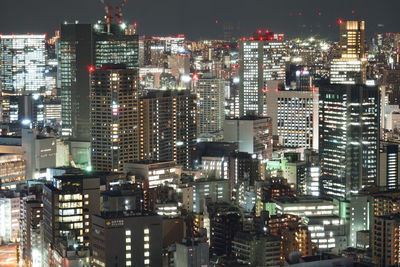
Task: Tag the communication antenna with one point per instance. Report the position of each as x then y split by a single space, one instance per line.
113 12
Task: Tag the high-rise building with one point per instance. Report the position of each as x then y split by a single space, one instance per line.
385 240
262 58
349 138
168 126
75 56
22 61
118 45
224 223
127 239
347 71
350 68
114 117
359 217
352 39
216 190
253 134
294 116
389 162
31 219
210 105
68 206
84 47
10 210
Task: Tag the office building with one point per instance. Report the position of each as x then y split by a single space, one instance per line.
154 174
306 206
84 47
30 155
257 250
23 61
347 71
115 44
127 239
69 204
168 126
122 197
12 169
253 134
328 232
75 56
214 190
191 253
10 214
389 162
210 105
114 117
28 108
350 68
309 183
352 39
262 58
359 217
349 138
294 115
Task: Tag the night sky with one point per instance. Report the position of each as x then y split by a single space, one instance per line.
197 19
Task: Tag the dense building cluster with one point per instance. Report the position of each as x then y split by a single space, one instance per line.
120 149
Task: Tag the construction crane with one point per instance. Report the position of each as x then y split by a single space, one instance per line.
113 12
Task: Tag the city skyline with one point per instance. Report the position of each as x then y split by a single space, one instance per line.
296 19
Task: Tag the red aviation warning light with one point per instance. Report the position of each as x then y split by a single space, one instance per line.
91 69
340 21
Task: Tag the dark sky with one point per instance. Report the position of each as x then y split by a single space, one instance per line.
197 19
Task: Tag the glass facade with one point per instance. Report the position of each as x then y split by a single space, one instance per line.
23 61
349 121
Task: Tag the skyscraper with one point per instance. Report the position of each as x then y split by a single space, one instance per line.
261 59
114 114
75 56
118 46
350 68
210 105
352 38
168 126
294 116
349 138
81 47
22 63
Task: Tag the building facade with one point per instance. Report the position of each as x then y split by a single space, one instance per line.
114 117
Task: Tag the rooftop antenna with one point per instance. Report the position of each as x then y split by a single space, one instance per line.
113 12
